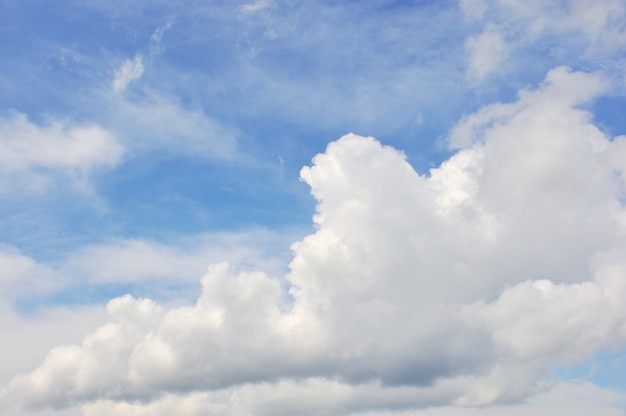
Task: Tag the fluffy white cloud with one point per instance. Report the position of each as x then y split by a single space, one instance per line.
464 287
127 72
32 156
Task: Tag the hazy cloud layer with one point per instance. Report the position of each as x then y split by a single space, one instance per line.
463 287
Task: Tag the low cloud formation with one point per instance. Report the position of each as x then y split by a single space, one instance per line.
463 287
32 156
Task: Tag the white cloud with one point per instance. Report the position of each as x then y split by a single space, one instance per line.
473 9
28 339
601 22
561 90
255 7
20 274
155 40
487 53
176 265
465 287
588 28
127 72
181 261
565 399
160 123
369 74
32 156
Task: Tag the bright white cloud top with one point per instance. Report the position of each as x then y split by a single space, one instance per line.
475 259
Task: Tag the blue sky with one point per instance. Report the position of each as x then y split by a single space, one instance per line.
222 198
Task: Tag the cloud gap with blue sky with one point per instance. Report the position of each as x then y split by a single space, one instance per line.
281 208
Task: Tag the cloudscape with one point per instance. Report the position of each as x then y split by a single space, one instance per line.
313 208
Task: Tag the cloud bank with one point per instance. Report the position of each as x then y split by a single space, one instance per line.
464 287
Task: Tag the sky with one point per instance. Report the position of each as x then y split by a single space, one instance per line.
372 208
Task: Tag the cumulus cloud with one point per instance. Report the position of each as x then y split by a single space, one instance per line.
463 287
128 71
32 155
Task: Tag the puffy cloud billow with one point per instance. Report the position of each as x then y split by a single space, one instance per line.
465 286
